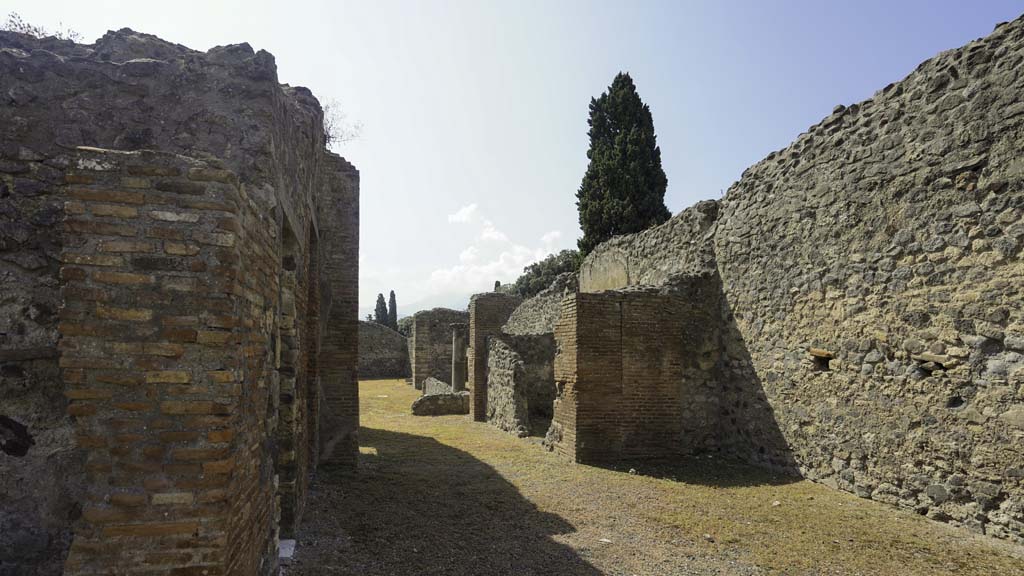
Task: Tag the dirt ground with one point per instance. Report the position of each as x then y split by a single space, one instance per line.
444 495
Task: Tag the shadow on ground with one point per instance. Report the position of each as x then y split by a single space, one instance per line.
417 506
705 471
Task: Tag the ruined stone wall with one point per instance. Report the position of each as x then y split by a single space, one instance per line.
521 383
383 353
431 344
887 238
650 258
171 265
538 314
487 314
619 397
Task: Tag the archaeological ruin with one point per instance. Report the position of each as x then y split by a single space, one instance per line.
850 311
383 352
179 256
180 349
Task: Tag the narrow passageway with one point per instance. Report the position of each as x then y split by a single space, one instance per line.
445 495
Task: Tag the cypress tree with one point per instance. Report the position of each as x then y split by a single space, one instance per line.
392 311
623 190
380 312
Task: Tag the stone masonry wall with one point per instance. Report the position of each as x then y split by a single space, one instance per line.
432 344
383 353
521 383
887 239
488 312
649 258
538 314
172 265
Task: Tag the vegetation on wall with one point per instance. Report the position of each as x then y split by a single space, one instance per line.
15 23
623 190
540 275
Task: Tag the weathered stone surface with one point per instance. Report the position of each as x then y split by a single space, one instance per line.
679 246
170 217
539 314
888 235
383 352
432 385
441 404
488 312
430 343
521 383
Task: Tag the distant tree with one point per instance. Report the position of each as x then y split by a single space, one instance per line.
15 23
623 190
392 311
405 326
540 275
369 317
380 312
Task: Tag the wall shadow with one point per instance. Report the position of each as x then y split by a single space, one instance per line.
708 470
749 429
739 442
417 506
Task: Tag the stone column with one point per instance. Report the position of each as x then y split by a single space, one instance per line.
460 333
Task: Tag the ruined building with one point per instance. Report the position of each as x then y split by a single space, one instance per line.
851 310
178 256
383 352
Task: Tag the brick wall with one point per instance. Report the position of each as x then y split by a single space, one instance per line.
619 396
339 351
169 291
173 269
431 344
487 314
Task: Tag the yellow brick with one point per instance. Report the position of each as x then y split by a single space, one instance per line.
129 314
121 278
168 377
107 195
125 246
164 349
213 337
179 249
114 210
221 376
173 498
152 529
92 259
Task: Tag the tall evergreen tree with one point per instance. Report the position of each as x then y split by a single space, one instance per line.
380 312
623 190
392 311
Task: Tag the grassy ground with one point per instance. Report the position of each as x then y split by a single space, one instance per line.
445 495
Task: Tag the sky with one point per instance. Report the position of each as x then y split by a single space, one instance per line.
472 114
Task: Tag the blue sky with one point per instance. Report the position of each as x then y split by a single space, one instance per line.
473 113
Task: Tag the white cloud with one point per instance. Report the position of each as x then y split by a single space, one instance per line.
550 237
492 256
469 254
491 233
465 214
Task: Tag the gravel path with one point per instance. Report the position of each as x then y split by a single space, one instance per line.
449 496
